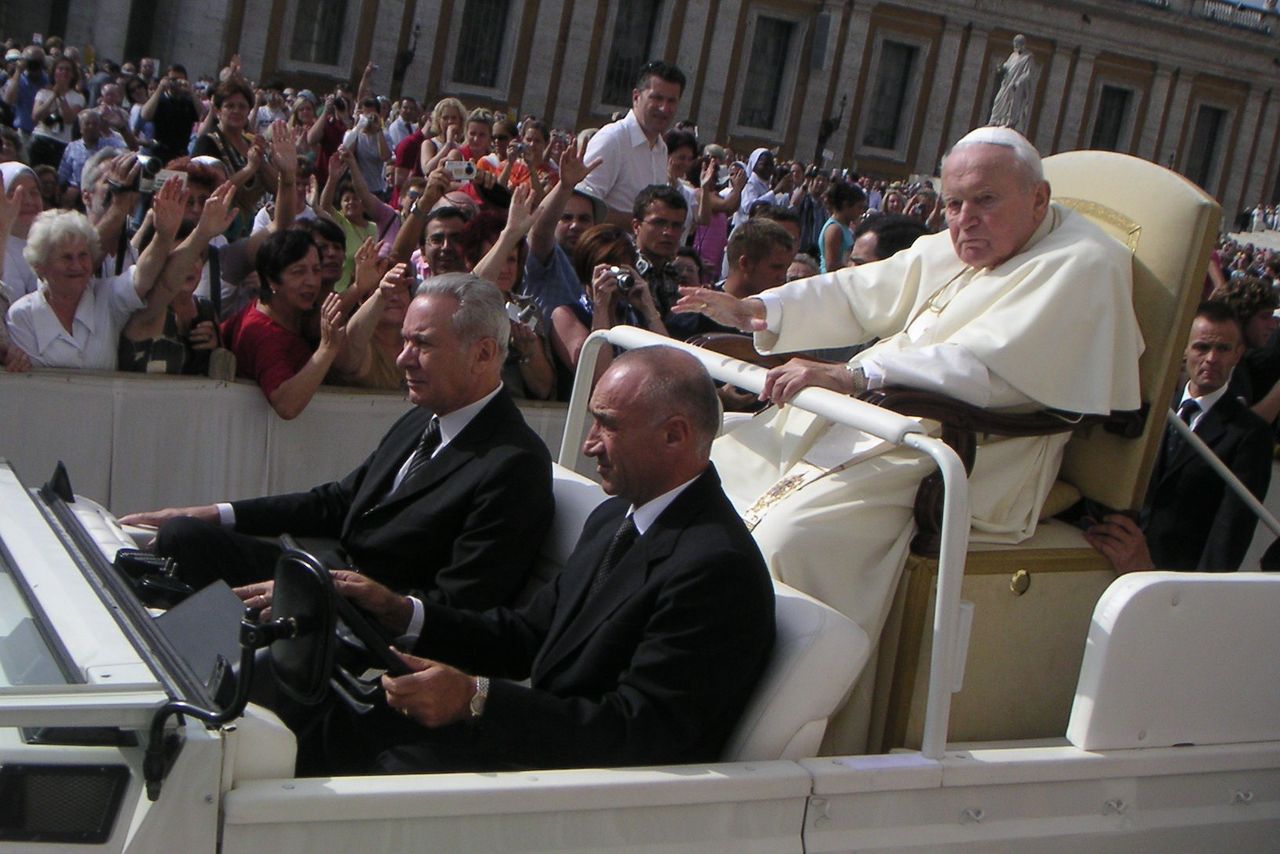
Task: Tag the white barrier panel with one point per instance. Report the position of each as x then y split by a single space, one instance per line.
136 442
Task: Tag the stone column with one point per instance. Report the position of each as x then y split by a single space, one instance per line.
932 144
1238 189
844 143
1169 154
1055 92
1068 135
967 94
1157 97
812 111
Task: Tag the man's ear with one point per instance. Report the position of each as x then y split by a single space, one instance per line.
677 431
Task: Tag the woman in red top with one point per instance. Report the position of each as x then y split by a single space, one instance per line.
267 337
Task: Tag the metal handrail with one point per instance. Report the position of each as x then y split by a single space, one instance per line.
893 428
1242 492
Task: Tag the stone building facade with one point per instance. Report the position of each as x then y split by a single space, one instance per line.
877 86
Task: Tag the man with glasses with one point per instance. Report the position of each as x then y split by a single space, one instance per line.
658 220
632 151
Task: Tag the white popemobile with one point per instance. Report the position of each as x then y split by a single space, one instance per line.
117 731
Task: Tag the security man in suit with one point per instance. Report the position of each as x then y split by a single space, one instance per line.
1191 520
643 651
454 501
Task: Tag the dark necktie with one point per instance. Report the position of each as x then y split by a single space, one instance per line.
422 454
1173 439
618 546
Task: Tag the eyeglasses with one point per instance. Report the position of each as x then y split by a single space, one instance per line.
664 224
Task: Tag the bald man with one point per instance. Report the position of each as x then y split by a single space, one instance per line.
1022 303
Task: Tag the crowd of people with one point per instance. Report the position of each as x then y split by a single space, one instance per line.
159 226
307 220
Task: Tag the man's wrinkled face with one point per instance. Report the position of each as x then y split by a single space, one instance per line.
992 206
442 371
1212 352
655 105
625 438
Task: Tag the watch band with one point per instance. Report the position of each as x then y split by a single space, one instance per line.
481 695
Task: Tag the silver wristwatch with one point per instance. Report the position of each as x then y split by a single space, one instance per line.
480 696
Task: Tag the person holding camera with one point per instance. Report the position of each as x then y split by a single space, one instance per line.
54 112
20 92
368 144
244 155
172 110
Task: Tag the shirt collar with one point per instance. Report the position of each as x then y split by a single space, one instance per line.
636 134
47 327
1207 401
455 422
646 514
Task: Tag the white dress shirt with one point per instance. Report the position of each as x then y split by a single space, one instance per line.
629 163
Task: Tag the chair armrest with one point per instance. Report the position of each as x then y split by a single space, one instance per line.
736 346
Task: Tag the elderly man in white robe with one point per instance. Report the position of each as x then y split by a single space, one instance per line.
1023 304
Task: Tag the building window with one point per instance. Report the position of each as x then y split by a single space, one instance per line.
1204 144
884 121
762 89
480 41
1113 109
318 28
634 27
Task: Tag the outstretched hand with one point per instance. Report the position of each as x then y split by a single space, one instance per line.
745 315
572 168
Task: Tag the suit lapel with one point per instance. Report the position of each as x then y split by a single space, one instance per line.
1209 429
577 620
384 465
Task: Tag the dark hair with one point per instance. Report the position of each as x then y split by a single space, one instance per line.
507 125
279 251
538 125
756 238
484 228
229 88
447 212
774 213
178 67
677 139
1246 296
665 193
840 195
691 253
1216 311
323 228
663 71
602 244
894 232
370 104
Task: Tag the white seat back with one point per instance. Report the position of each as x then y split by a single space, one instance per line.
1180 658
817 654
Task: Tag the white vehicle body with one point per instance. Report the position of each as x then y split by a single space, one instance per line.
1174 743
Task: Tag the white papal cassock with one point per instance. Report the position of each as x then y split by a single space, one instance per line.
1051 327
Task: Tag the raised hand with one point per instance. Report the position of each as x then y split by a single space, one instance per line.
167 207
572 168
726 309
219 212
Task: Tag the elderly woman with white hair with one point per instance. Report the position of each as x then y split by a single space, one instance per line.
74 319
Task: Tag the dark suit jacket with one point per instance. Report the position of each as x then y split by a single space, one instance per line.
464 530
655 669
1193 521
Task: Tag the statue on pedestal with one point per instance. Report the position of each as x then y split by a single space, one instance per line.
1012 107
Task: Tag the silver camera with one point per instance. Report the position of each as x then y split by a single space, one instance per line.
460 170
624 277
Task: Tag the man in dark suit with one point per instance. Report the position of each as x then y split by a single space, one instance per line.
647 646
1191 520
454 501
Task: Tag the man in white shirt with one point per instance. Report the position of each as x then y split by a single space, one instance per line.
632 151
